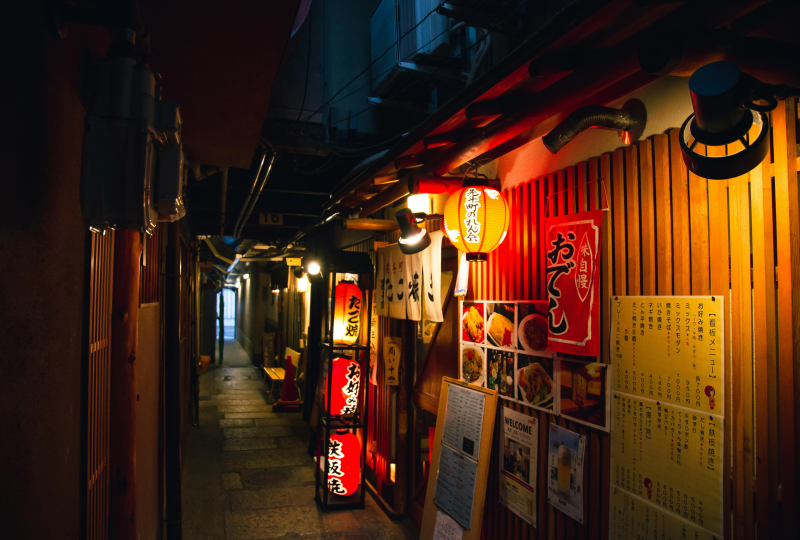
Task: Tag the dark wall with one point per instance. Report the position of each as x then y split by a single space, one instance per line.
42 261
208 324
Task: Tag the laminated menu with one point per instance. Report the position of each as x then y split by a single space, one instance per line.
667 423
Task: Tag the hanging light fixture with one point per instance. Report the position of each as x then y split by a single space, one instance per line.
347 313
344 463
345 385
725 111
476 220
313 268
412 238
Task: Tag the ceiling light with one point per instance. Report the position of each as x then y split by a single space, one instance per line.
412 238
246 276
726 111
313 268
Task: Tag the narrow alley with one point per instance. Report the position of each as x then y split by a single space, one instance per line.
248 474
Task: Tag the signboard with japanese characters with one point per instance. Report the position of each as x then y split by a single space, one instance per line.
392 351
667 439
572 252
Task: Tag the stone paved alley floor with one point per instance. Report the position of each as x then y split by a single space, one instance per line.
247 473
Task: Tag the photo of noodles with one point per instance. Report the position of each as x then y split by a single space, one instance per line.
472 323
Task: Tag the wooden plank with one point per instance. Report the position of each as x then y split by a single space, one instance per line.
663 214
544 190
631 210
648 234
682 270
582 188
719 253
606 247
787 226
698 223
618 196
767 449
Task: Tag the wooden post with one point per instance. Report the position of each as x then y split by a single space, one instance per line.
122 404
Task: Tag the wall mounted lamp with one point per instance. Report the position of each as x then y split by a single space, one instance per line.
412 238
726 111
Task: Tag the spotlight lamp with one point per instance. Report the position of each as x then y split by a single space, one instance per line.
726 111
412 238
313 268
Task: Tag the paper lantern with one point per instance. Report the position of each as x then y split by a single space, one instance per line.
347 313
476 220
345 385
344 463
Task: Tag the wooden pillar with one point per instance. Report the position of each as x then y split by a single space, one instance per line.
122 403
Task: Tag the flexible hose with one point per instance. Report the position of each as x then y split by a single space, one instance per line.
591 116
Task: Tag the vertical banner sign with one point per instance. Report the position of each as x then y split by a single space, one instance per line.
573 282
391 360
667 442
373 344
518 464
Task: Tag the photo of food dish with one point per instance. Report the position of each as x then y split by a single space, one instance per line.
472 365
583 392
500 372
472 323
532 329
500 322
534 380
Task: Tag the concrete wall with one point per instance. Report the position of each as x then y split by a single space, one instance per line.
43 262
668 105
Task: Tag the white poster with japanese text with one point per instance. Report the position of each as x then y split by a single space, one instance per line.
518 463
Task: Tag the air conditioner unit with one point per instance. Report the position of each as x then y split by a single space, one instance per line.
132 163
391 20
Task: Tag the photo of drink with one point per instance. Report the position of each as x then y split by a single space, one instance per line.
564 470
565 478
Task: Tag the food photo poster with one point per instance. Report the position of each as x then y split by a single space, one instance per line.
583 392
565 471
518 463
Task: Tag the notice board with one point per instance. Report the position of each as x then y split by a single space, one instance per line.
667 418
460 463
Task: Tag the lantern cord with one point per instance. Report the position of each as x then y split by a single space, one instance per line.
602 184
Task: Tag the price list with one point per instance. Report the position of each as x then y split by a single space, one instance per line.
669 348
666 417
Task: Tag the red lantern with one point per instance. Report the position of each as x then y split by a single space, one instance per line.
345 385
344 463
476 220
347 313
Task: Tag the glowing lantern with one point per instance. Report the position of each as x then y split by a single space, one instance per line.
302 284
476 220
344 463
345 385
347 313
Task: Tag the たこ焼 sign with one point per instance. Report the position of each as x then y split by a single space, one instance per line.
572 252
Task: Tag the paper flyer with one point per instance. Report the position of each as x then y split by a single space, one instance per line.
518 463
565 471
446 528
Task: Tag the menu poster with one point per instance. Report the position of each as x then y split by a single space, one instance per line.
518 463
392 352
565 471
667 435
455 484
463 420
373 343
572 253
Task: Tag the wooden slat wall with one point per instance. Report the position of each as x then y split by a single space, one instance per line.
97 424
150 275
667 232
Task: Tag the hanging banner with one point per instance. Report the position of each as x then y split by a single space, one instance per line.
565 471
396 286
413 280
382 280
392 351
667 426
432 268
518 463
373 344
572 253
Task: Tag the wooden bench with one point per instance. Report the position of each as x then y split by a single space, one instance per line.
275 375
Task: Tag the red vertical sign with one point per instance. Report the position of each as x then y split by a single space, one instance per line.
572 253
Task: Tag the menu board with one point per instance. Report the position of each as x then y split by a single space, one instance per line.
455 485
463 420
667 438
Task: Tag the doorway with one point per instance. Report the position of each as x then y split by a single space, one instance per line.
228 297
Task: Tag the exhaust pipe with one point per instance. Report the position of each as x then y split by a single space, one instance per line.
630 121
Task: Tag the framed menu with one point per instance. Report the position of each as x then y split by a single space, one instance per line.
667 416
460 461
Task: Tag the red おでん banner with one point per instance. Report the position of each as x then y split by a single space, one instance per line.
572 259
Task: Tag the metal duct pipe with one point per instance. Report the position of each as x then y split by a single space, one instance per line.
260 159
255 193
630 121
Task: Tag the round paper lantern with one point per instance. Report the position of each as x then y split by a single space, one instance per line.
344 463
476 220
345 384
347 313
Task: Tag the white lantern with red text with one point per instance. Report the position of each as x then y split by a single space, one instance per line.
347 313
345 385
344 463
